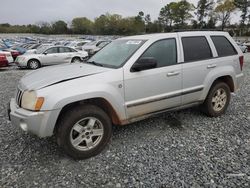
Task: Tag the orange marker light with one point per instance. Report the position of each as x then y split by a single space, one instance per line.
39 103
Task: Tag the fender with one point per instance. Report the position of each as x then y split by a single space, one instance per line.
73 93
215 74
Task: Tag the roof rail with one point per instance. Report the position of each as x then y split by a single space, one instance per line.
186 30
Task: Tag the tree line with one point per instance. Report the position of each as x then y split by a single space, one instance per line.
181 15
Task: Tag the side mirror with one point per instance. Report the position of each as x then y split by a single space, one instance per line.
144 64
45 53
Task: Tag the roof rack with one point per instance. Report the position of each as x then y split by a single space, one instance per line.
186 30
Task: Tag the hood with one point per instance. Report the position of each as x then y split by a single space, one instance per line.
48 76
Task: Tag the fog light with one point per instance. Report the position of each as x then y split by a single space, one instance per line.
24 127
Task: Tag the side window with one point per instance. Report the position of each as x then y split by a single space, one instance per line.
196 48
72 50
52 51
163 51
223 46
64 50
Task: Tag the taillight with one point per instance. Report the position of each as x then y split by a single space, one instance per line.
3 57
241 58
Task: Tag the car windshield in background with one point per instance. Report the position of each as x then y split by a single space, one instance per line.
41 49
115 54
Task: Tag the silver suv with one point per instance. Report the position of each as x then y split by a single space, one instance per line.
129 80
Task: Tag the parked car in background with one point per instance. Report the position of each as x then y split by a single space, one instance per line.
78 44
3 46
14 53
95 46
98 48
129 80
8 56
243 47
3 60
18 48
39 48
50 56
247 44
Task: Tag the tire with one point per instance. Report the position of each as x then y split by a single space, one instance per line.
75 60
73 133
217 100
34 64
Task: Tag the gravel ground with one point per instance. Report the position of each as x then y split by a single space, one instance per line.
179 149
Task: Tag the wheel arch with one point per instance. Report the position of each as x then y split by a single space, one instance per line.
99 102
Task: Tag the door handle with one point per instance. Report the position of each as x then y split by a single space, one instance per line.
173 74
211 66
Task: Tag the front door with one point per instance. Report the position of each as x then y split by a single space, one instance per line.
155 89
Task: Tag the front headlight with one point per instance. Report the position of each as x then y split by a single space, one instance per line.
30 101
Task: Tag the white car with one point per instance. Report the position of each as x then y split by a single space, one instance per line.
95 46
50 56
129 80
243 47
8 56
78 44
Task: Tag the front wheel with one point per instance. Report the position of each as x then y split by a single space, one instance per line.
84 131
76 60
217 100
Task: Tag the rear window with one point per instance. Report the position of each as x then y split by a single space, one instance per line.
223 46
196 48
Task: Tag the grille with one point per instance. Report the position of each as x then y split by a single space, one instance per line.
19 95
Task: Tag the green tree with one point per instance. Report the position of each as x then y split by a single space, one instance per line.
59 27
242 5
204 7
182 12
82 25
224 10
166 16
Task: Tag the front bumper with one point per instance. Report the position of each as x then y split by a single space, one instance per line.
40 123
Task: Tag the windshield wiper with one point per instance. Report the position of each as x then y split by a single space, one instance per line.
94 63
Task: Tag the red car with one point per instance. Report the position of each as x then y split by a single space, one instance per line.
14 53
3 60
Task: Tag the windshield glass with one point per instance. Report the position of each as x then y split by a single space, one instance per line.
116 53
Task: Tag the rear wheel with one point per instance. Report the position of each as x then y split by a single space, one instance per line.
84 131
34 64
217 100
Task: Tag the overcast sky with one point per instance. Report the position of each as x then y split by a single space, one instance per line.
33 11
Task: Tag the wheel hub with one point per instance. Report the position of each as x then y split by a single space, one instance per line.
219 100
86 134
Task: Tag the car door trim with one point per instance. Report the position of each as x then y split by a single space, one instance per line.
164 97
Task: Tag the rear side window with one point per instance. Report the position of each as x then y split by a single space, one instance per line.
65 50
164 51
52 51
196 48
223 46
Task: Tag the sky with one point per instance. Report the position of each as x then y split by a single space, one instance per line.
35 11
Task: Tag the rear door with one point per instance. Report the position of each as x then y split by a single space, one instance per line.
50 56
198 61
66 54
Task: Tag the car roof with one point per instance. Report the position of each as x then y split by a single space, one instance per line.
162 35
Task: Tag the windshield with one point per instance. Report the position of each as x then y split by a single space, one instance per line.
116 53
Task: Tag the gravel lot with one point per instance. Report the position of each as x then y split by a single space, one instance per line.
179 149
